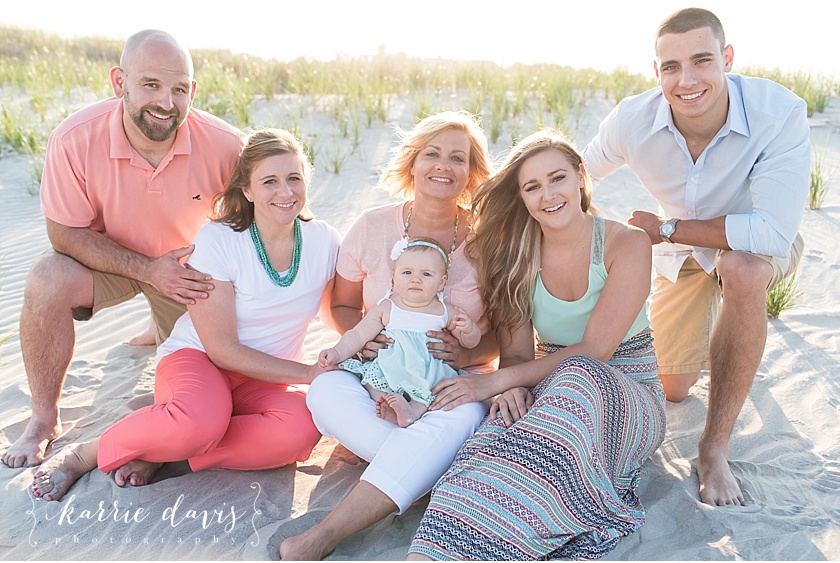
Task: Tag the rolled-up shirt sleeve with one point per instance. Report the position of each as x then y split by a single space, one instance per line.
779 191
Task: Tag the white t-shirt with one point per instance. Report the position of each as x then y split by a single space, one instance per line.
269 318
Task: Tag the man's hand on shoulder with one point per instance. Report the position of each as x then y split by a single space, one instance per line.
648 222
177 281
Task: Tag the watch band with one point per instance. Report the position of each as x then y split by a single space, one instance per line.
662 229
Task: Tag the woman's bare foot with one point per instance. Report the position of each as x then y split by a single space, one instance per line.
136 473
394 408
57 474
145 338
29 450
308 546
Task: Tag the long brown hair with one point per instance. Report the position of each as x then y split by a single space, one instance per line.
506 245
231 207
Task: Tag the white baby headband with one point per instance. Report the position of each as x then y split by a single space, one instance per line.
403 243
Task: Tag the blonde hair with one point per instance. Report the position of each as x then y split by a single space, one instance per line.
397 174
231 207
506 245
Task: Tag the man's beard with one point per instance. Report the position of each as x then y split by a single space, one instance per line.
153 131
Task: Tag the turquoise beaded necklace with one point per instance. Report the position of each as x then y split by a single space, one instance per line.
289 278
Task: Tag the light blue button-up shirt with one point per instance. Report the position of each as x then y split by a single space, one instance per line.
755 171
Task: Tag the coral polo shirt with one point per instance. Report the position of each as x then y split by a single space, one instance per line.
94 178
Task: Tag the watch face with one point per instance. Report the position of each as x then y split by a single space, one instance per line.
667 229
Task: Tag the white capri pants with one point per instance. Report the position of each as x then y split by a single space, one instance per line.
404 462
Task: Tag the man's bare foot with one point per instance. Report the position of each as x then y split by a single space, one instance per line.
136 473
308 546
394 406
145 338
718 485
30 448
57 474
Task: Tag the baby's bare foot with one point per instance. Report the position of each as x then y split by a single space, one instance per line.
385 411
406 412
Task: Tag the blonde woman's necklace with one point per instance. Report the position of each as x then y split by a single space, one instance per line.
454 237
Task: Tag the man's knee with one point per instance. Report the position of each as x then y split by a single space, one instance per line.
743 272
57 279
677 386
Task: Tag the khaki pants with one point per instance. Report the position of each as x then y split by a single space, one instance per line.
683 314
111 289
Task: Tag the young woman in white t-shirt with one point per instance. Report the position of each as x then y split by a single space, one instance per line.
240 349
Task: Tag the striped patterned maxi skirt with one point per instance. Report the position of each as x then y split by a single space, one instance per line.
559 483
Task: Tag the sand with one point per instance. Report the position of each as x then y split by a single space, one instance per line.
785 447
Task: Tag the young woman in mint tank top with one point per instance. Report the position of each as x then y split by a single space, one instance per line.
552 471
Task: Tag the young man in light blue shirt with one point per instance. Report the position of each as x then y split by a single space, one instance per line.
727 158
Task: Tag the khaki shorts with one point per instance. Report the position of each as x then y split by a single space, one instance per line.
111 289
683 314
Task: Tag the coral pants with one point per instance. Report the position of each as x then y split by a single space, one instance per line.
213 418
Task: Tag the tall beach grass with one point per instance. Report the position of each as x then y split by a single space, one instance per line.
44 77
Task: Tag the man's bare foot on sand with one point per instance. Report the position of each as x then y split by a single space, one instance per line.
718 485
57 474
136 473
145 338
394 408
30 448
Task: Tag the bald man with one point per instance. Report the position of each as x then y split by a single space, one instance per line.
127 183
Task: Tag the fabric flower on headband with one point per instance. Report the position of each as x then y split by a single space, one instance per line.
399 248
403 243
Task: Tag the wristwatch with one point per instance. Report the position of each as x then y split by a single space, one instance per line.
667 229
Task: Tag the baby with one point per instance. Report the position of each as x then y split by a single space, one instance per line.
401 377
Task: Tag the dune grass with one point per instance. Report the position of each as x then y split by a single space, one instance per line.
820 179
783 296
44 77
814 89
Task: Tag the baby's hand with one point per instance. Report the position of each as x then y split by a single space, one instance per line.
327 358
462 321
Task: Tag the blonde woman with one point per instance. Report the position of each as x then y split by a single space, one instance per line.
436 169
551 473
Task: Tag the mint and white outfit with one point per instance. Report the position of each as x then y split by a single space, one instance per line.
406 366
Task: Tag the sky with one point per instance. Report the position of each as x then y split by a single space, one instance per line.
604 34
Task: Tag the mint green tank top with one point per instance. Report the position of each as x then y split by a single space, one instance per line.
563 322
